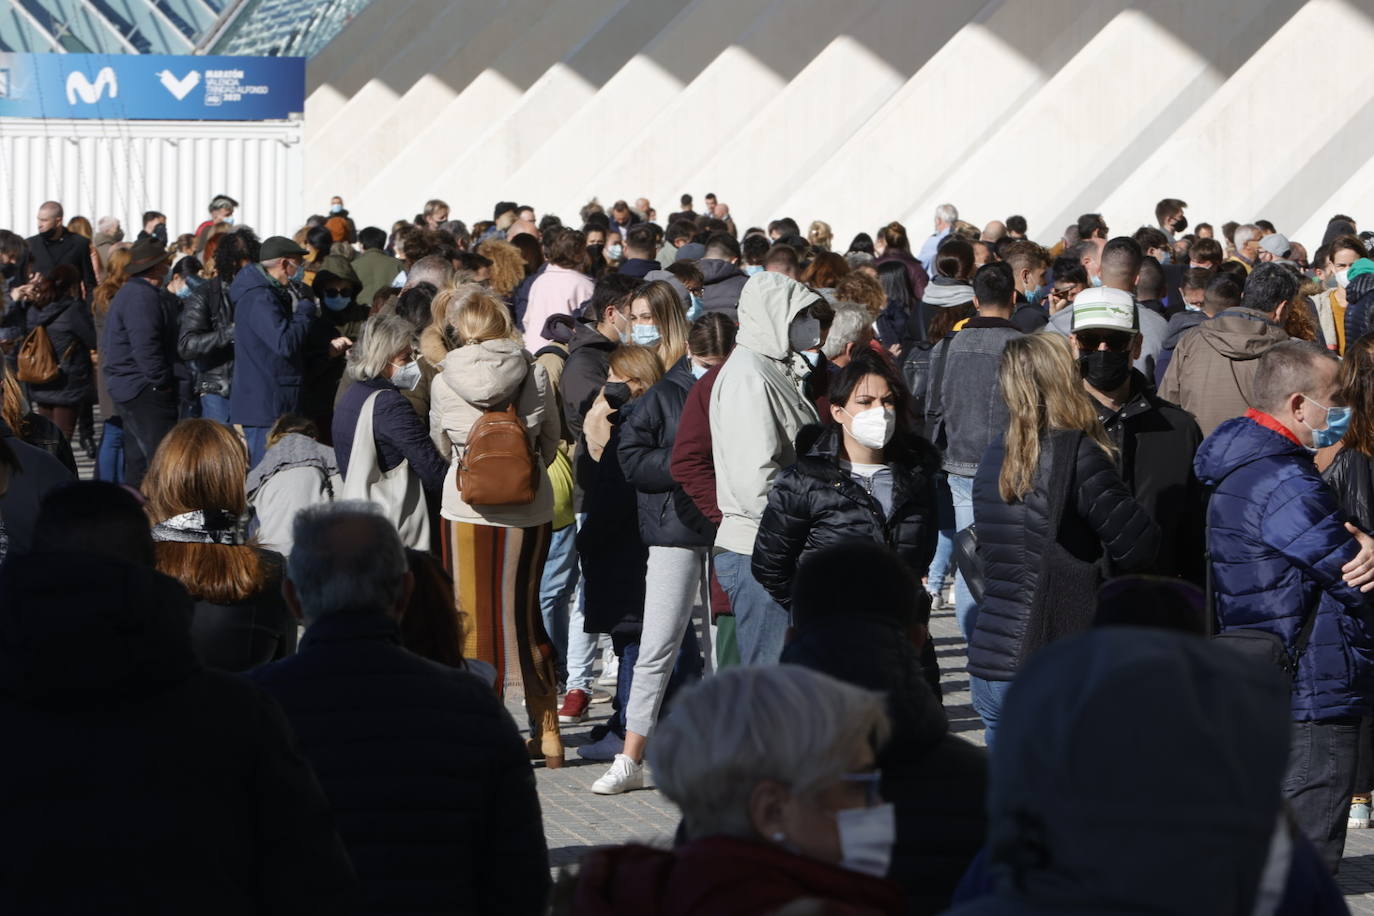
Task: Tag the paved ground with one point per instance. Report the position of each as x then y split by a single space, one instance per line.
575 820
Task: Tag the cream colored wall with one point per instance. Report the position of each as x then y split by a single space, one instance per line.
852 111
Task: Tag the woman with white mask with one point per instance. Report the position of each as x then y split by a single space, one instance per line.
864 476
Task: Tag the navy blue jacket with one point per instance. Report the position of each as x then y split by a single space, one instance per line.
269 349
72 332
1278 541
1359 310
428 778
139 349
399 432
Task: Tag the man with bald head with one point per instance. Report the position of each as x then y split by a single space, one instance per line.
994 231
54 246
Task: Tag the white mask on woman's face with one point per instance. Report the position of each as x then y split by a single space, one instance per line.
872 428
406 377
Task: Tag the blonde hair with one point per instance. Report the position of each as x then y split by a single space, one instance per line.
507 265
1043 390
639 365
820 235
472 314
671 321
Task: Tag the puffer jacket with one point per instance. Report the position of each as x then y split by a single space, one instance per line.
667 515
71 329
815 504
936 780
206 337
490 375
1359 308
1277 540
271 322
1102 521
757 406
1213 369
1351 477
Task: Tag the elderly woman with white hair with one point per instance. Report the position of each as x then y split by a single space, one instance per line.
773 768
381 445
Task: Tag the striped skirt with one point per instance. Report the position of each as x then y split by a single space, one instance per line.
496 575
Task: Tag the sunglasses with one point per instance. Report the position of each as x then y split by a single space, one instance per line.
1115 340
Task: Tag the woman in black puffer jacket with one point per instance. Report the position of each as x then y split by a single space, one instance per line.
57 306
1041 584
864 477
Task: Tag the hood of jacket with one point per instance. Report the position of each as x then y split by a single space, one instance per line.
1359 287
335 267
487 374
714 270
1241 333
49 312
942 292
252 277
767 305
1203 749
1236 443
1181 324
433 347
292 451
108 238
874 654
585 334
78 630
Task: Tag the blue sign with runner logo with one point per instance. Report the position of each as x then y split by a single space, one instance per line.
151 87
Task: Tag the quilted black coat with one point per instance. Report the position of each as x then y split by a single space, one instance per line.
667 515
814 504
1101 518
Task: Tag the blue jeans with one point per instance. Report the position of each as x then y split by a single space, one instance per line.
109 460
965 610
215 407
942 564
256 437
760 622
581 655
988 697
556 587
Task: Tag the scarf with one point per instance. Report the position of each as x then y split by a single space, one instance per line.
944 293
209 526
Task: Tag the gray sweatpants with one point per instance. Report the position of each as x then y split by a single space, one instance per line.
674 586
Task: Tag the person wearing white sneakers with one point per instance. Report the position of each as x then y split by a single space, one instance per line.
677 534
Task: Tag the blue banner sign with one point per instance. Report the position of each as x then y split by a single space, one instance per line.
151 87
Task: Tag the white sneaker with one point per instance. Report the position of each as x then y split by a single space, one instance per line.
610 672
623 776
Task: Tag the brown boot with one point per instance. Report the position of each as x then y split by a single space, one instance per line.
545 742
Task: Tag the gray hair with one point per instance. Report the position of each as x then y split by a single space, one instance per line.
1287 369
431 269
346 558
776 722
857 259
947 213
1243 234
848 325
106 224
383 337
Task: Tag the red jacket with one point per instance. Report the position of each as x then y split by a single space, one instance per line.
692 465
723 876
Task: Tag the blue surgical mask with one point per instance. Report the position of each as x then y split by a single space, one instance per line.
616 252
1337 422
335 303
695 309
229 220
812 356
406 377
185 291
751 269
646 335
1097 280
699 371
299 275
1034 295
336 208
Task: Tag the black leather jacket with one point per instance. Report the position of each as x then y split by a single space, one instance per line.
1351 478
205 338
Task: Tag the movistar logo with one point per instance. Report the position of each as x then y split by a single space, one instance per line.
88 92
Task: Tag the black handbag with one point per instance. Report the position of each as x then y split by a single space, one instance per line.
970 565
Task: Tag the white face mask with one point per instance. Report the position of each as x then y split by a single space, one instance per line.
406 377
866 838
872 428
1343 278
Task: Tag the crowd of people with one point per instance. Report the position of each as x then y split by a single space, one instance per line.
358 487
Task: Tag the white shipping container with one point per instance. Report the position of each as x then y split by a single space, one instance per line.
123 168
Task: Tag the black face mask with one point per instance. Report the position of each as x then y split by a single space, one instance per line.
53 234
1181 224
7 270
617 394
160 233
1105 370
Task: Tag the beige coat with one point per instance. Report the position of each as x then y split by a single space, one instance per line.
490 375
